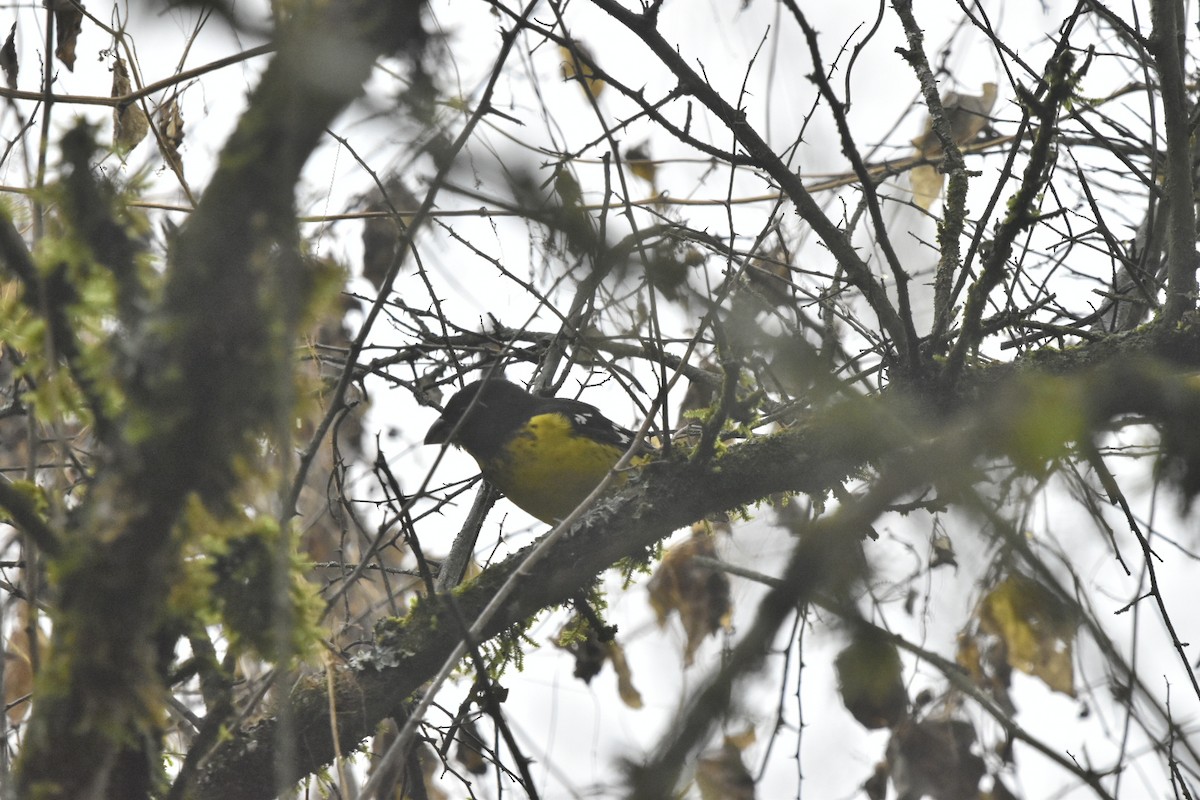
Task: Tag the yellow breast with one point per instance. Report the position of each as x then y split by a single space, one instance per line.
548 469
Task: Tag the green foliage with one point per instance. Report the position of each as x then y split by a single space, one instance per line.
643 563
36 495
579 627
237 577
71 306
574 632
1050 420
508 649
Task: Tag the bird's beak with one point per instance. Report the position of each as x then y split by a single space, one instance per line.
438 432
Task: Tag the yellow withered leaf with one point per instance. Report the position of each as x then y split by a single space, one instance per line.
629 694
1037 631
578 63
926 184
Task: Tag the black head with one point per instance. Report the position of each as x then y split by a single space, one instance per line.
490 411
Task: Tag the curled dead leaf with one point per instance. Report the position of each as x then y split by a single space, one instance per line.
381 234
628 693
18 667
697 592
18 676
68 24
170 123
8 58
941 552
130 124
771 278
967 115
592 650
471 749
426 757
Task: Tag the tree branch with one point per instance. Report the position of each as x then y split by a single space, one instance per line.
1021 209
1181 236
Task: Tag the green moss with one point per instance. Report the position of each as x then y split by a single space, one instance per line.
231 576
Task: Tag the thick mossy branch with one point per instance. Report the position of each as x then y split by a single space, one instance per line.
19 506
410 650
210 373
92 206
50 295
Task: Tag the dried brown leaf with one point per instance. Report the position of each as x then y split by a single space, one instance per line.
381 234
967 115
771 277
427 758
8 58
18 667
470 749
941 552
630 696
592 650
18 676
68 24
170 123
696 592
130 124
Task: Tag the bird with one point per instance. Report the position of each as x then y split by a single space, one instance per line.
546 454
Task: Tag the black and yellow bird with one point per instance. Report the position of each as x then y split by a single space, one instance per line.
546 454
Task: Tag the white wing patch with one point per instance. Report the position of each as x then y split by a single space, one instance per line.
601 427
